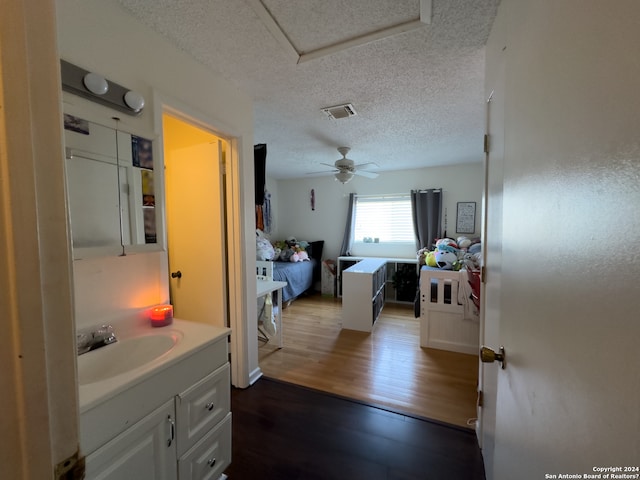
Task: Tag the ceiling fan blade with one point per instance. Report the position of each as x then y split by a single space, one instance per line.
364 173
324 172
328 165
362 165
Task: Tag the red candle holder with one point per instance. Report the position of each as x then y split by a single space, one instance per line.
161 315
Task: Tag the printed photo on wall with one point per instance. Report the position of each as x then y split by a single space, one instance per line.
149 225
142 152
76 124
148 195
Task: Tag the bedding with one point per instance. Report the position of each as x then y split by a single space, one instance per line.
300 276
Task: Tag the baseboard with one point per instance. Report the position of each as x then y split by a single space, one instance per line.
255 375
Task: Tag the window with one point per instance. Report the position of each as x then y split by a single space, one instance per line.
383 219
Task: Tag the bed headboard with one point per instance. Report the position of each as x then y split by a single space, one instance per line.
316 254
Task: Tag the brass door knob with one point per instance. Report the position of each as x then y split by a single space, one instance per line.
487 355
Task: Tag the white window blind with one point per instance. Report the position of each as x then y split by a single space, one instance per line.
385 217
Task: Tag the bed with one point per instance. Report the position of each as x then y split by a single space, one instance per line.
300 276
448 310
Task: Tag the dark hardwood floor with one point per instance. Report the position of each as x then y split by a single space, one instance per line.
287 432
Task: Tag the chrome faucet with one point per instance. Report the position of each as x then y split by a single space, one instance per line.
92 338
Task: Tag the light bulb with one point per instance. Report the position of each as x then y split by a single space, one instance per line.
95 83
134 101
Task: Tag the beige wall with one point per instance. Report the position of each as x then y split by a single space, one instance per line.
100 36
294 217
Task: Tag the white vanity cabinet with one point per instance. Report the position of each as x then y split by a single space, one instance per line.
204 427
174 422
145 451
208 458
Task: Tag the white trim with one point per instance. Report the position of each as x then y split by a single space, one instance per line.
270 22
274 28
236 262
255 375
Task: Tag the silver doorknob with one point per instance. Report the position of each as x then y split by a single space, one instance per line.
487 355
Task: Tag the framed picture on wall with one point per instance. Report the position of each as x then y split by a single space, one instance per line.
466 217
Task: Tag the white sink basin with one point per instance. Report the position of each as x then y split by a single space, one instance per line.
124 356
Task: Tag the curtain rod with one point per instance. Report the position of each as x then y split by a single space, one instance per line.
405 194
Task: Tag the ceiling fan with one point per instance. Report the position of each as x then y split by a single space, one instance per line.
345 168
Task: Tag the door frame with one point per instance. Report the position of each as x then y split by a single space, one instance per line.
37 349
235 255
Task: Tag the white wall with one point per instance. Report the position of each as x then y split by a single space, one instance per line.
100 36
294 217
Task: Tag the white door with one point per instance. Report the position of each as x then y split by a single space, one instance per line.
196 233
568 400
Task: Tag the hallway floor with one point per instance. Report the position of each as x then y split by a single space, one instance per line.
286 432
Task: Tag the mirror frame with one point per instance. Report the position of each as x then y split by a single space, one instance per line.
123 160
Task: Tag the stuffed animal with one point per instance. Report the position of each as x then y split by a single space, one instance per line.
421 256
291 241
430 259
446 242
286 254
264 249
445 259
463 242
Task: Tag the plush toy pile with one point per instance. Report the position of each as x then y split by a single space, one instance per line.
452 254
289 250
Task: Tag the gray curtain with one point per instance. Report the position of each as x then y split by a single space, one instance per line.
426 208
347 240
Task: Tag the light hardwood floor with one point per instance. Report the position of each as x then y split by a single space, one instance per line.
387 368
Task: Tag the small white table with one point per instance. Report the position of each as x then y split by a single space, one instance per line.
268 286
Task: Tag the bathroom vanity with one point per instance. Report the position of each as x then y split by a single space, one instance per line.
156 404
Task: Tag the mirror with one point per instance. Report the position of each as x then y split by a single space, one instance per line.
110 187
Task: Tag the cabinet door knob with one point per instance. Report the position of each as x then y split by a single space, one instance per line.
211 462
209 406
177 274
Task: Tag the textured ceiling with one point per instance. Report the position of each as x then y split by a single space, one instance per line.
418 94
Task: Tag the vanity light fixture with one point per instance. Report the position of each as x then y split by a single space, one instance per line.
134 101
96 88
95 83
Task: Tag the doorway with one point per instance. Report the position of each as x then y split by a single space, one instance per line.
196 224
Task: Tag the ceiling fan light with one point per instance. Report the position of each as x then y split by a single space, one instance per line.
344 177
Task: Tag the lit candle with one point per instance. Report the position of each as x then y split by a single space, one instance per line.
161 315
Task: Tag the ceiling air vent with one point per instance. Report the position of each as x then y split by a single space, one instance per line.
340 111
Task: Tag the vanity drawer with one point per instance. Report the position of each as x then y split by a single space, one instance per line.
210 456
201 407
